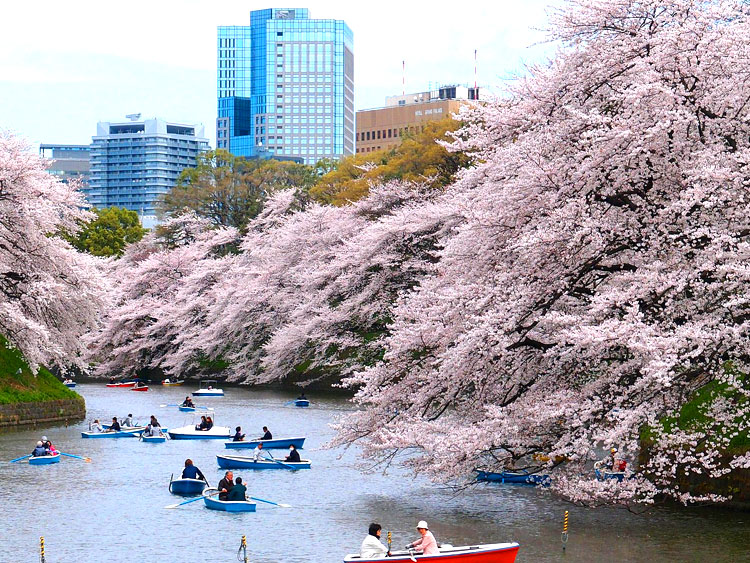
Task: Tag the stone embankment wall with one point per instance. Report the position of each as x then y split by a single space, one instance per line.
61 410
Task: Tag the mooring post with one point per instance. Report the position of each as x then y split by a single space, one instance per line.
41 550
564 537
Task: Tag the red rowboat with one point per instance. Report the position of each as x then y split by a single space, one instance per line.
144 388
127 384
113 384
487 553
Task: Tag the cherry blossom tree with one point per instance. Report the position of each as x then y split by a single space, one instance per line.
599 274
50 294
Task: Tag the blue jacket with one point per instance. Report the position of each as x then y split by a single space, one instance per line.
192 472
39 450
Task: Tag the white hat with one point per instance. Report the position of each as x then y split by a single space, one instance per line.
38 444
422 524
44 438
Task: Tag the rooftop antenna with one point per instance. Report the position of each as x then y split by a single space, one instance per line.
403 78
476 97
133 116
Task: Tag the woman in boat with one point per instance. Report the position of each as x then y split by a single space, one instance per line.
293 454
188 402
372 547
209 423
238 435
238 491
191 471
39 450
203 425
154 422
426 544
266 434
48 447
115 427
95 426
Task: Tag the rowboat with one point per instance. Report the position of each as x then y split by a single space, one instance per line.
129 433
602 473
169 383
486 553
276 444
141 388
154 439
516 477
301 403
207 390
242 462
44 459
70 384
186 409
226 505
190 433
186 487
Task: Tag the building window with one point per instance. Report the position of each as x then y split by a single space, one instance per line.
378 134
389 133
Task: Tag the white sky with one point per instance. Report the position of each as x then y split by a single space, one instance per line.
66 65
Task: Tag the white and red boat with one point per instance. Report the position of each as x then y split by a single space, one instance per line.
140 388
485 553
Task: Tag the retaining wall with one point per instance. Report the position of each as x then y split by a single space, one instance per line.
61 410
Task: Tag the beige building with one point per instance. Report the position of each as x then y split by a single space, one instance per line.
382 128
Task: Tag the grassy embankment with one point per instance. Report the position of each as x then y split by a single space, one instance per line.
24 387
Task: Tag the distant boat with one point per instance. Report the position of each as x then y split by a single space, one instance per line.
186 409
187 487
207 389
44 459
140 388
129 433
242 462
226 505
602 473
172 383
154 439
275 444
515 477
301 403
487 553
69 383
190 433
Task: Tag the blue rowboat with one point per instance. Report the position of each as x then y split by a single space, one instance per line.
522 477
44 459
154 439
71 384
276 444
132 433
214 503
242 462
187 409
301 403
187 487
190 433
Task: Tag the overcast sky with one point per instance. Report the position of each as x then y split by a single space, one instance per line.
66 65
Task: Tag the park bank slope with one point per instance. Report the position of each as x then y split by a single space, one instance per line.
26 398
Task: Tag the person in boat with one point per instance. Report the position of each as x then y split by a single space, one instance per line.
128 421
209 423
203 424
293 454
613 463
152 430
266 434
238 435
115 426
191 471
238 491
39 450
48 447
260 453
95 426
188 402
372 547
112 380
226 485
302 397
426 544
154 422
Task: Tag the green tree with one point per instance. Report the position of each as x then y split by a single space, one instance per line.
108 234
418 158
230 190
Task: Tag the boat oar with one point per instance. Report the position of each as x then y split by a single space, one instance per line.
19 458
284 464
170 405
192 500
86 459
273 503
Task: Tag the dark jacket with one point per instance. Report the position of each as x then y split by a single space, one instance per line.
192 472
237 493
115 426
238 437
293 456
209 425
225 484
38 451
267 436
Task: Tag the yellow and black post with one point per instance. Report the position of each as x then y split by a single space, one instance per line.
41 549
243 549
564 537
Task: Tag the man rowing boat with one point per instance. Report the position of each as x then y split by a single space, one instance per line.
372 547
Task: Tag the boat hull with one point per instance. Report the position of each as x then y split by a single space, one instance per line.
301 403
513 477
172 383
154 439
187 487
489 553
241 462
70 385
277 444
226 505
190 433
208 393
145 388
122 434
44 459
187 409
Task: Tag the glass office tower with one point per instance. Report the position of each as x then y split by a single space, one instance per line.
134 162
285 87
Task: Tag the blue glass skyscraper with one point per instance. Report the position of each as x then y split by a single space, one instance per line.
285 87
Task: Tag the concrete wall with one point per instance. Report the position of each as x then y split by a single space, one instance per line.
63 410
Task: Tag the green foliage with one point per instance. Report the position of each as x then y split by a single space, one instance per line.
419 158
230 190
25 387
108 235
